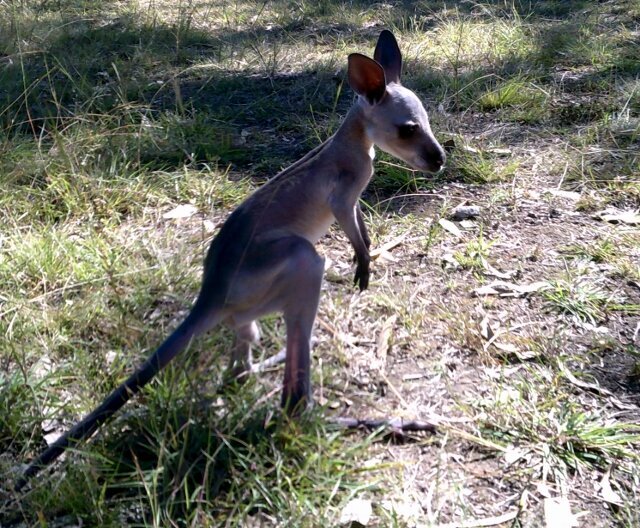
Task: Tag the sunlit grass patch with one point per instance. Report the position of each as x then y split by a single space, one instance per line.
518 99
578 297
460 43
600 251
103 175
540 417
474 165
475 253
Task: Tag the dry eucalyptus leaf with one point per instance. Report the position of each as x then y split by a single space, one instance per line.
385 255
450 261
481 523
508 289
181 211
383 343
357 511
449 226
53 436
569 195
513 454
406 510
557 513
508 348
606 491
500 274
616 217
383 250
485 328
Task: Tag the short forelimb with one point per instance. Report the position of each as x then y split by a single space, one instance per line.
349 217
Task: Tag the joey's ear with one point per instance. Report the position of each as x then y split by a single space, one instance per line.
366 77
388 55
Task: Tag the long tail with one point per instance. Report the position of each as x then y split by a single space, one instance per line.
195 324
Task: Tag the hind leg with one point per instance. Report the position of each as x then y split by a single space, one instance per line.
240 362
281 275
299 314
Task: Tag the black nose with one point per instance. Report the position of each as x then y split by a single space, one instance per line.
436 157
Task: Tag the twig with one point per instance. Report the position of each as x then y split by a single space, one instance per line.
395 424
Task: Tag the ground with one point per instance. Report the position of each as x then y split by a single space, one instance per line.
128 132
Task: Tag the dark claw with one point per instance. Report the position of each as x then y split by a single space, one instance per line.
362 277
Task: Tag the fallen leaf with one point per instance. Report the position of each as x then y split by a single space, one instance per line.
385 255
383 250
110 357
506 347
181 211
582 384
606 492
448 225
557 513
480 523
509 289
499 151
450 261
53 436
407 510
570 195
384 340
490 270
615 217
413 377
513 454
485 328
543 489
357 511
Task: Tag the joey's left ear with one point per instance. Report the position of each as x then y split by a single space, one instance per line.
366 77
388 54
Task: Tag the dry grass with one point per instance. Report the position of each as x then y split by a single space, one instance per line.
113 114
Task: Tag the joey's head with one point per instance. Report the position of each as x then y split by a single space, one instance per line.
395 119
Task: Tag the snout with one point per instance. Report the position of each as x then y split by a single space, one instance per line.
432 158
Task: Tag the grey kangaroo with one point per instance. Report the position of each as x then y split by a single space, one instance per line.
263 258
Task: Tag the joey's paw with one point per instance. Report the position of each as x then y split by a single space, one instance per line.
361 278
238 373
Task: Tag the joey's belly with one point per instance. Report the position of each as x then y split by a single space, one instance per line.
313 229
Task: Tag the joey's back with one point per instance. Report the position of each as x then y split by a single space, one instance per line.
298 201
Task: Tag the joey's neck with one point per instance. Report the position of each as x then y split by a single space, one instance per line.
350 142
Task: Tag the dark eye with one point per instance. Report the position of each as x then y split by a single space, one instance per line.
407 131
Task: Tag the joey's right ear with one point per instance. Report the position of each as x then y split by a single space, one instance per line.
366 78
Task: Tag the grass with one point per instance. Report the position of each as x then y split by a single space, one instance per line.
113 115
579 298
525 101
481 166
474 254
